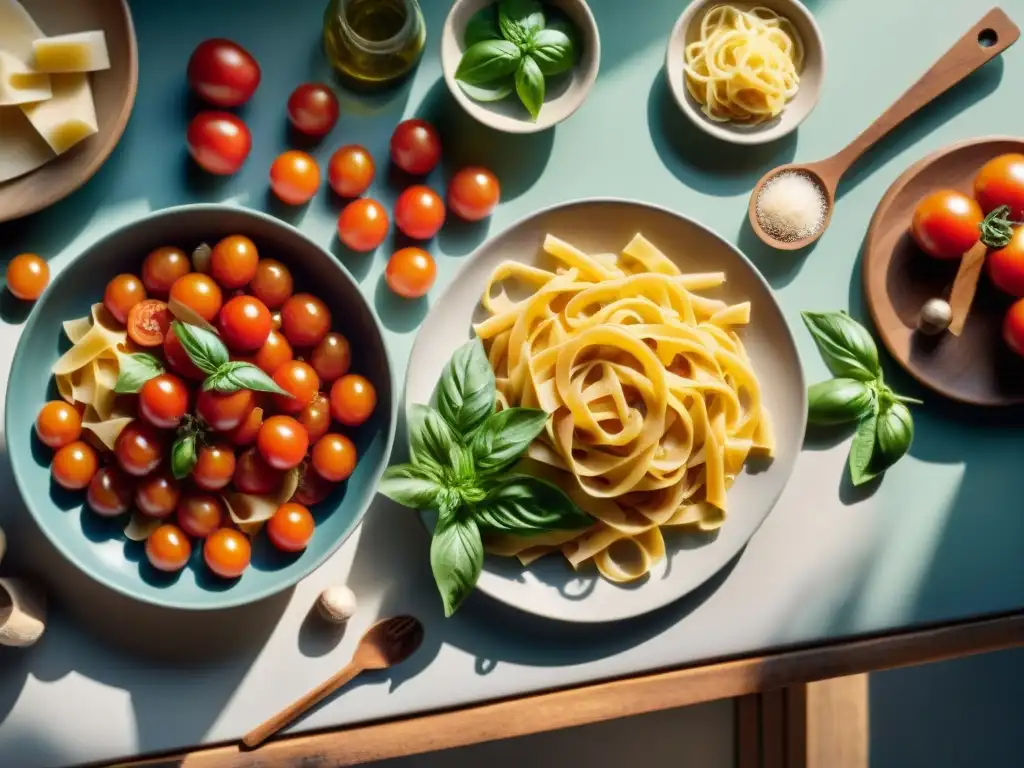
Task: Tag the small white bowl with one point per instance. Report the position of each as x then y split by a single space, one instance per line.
687 30
569 90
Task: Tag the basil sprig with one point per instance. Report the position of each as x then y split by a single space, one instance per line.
211 356
464 455
135 370
513 45
858 395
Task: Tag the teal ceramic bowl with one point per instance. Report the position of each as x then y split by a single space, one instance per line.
98 545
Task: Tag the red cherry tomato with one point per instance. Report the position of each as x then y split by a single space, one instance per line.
282 442
254 475
351 170
139 448
410 272
946 224
316 417
227 552
74 465
312 488
224 411
219 142
178 359
1006 266
58 424
275 352
162 267
234 261
246 432
291 527
353 399
473 193
1001 182
157 495
223 73
122 293
363 224
110 492
419 212
313 109
27 276
163 401
1013 327
301 383
199 515
244 324
415 147
272 283
200 293
168 548
148 323
215 466
305 320
331 357
334 457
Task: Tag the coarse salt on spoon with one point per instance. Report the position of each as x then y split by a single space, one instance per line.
992 35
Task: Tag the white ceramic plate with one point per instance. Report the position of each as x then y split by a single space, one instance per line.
550 587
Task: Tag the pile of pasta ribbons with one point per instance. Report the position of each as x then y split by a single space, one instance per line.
654 404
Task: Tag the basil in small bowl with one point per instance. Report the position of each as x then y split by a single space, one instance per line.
520 66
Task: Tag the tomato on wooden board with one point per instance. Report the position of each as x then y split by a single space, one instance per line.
313 109
27 276
275 352
312 488
200 293
74 465
331 358
223 73
294 177
473 193
199 515
351 170
1013 327
148 323
224 411
234 261
305 320
272 284
227 552
246 432
58 424
291 527
157 495
163 401
254 475
946 224
139 448
1006 265
1001 182
110 492
353 399
282 442
419 212
244 323
178 359
334 457
123 292
316 417
168 548
162 267
363 224
410 272
219 142
215 466
415 147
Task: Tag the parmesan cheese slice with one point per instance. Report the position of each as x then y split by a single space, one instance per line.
17 30
77 52
69 116
20 84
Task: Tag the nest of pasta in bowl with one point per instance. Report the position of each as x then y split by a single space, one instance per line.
170 393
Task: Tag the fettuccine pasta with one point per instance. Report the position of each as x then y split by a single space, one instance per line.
654 404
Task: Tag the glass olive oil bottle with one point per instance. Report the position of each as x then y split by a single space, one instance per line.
373 44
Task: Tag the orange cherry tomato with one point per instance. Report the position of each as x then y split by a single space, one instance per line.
331 358
200 293
234 261
246 432
334 457
313 109
219 142
351 170
110 492
163 401
123 292
215 466
291 527
419 212
224 411
148 323
294 177
410 272
74 465
946 224
178 359
473 193
254 475
282 442
1001 182
27 276
1006 266
58 424
244 323
157 495
363 224
353 399
199 515
275 352
301 383
316 417
312 488
1013 327
162 267
272 283
168 548
415 147
305 320
227 552
139 448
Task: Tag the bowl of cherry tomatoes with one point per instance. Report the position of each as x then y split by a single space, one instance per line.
200 408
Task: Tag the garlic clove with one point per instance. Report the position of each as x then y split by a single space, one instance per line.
935 317
336 604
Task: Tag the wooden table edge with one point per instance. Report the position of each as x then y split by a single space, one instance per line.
592 703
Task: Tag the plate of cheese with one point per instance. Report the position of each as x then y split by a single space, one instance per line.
68 76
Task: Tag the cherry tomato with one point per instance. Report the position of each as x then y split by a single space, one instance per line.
290 528
58 424
254 475
363 224
294 177
224 411
419 212
123 292
227 552
234 261
946 224
275 321
272 283
199 515
331 357
246 432
1013 327
244 323
219 142
168 548
110 492
215 466
316 417
282 442
473 193
74 465
27 276
163 401
148 322
223 73
305 320
178 359
162 267
157 495
415 147
351 170
301 383
353 399
1006 266
410 272
1001 182
334 457
139 448
313 109
275 352
200 293
312 488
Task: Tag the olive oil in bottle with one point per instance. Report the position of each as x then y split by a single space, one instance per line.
372 44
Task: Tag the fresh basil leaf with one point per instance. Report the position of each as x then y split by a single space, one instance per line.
431 439
456 558
553 51
466 393
482 25
519 20
845 345
183 456
495 91
838 401
203 347
863 449
235 375
530 85
894 433
135 370
488 61
504 437
412 486
525 506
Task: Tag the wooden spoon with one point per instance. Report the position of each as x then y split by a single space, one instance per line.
985 40
385 644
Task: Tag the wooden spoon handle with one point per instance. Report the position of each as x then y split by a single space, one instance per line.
984 41
262 732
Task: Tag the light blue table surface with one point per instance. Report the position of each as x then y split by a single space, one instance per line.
941 538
